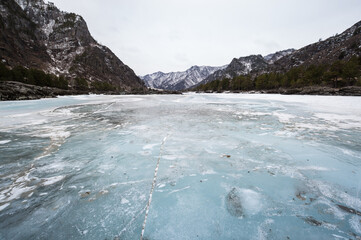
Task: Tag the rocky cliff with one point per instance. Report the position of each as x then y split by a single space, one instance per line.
35 34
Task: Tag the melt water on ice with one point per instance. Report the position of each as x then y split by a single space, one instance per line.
231 166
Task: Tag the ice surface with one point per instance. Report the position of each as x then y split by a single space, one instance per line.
231 166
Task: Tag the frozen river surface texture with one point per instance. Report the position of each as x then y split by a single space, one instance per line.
227 167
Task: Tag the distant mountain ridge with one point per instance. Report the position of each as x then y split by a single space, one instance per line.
200 75
253 64
35 34
179 80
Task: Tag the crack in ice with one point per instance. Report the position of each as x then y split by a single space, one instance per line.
152 189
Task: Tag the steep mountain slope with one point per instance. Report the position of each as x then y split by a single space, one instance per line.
39 35
339 47
179 80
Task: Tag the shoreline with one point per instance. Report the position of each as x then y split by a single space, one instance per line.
16 91
312 90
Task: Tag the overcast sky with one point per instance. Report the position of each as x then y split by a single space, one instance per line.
173 35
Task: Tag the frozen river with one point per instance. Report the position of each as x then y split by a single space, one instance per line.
226 166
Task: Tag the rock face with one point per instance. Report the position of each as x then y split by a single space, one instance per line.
179 80
240 66
39 35
20 38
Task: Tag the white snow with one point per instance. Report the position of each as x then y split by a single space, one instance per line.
22 3
355 224
48 28
4 142
51 180
2 207
251 201
124 201
178 190
248 67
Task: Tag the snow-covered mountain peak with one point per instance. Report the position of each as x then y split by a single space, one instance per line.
179 80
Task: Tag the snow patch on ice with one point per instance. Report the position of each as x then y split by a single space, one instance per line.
170 157
208 172
51 180
124 201
350 153
334 193
343 121
284 117
150 146
162 185
339 237
251 201
355 224
2 207
54 132
4 142
178 190
314 168
17 188
315 126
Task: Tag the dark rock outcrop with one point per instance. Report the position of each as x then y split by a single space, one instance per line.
21 91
